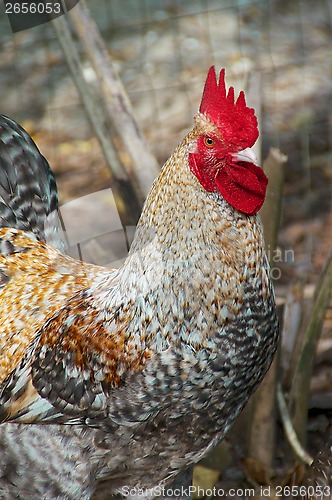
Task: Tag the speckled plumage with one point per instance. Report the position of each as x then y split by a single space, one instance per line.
160 355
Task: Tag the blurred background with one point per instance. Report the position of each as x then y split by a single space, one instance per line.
162 50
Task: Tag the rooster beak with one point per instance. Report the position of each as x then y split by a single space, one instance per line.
245 155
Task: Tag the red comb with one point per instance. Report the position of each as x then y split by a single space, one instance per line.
237 122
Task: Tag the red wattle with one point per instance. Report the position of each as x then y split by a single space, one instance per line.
205 177
243 185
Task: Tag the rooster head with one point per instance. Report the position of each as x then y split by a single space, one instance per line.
221 157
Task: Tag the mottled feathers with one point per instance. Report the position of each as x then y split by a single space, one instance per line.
161 355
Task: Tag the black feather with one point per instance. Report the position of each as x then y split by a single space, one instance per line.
28 190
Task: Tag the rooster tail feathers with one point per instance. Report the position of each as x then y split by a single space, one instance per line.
28 190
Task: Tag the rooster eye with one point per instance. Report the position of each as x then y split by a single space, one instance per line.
208 141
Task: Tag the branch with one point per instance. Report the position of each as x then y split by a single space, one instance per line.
293 311
119 177
299 393
93 109
293 440
271 211
143 167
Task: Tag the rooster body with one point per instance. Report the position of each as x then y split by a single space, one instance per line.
153 362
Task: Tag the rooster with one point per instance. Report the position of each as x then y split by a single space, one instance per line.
151 363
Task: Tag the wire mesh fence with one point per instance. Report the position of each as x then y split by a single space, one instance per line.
162 50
